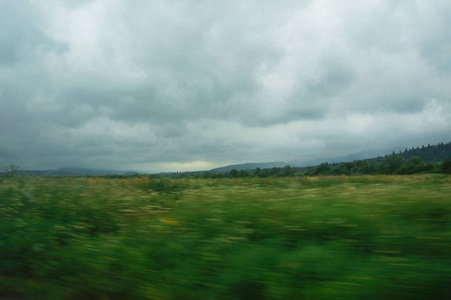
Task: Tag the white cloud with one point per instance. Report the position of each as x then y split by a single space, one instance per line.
190 84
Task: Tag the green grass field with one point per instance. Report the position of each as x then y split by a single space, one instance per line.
362 237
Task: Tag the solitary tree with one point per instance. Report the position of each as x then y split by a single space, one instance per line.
12 170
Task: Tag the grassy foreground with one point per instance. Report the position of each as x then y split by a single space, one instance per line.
362 237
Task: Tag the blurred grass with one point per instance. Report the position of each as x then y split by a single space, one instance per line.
342 237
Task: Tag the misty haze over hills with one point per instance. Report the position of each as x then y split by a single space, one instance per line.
429 153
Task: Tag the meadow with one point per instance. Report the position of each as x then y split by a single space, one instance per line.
330 237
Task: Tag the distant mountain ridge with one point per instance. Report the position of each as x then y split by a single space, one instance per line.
429 154
249 166
296 164
68 172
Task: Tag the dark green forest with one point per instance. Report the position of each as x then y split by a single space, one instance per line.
425 159
429 154
428 159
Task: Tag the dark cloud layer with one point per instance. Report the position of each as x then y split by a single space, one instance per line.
166 85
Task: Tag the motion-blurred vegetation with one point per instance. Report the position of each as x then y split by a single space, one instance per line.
340 237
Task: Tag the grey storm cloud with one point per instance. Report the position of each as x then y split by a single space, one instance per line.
165 85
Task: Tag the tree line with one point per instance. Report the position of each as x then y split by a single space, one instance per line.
389 165
258 172
425 159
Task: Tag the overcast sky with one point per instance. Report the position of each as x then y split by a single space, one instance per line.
190 84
